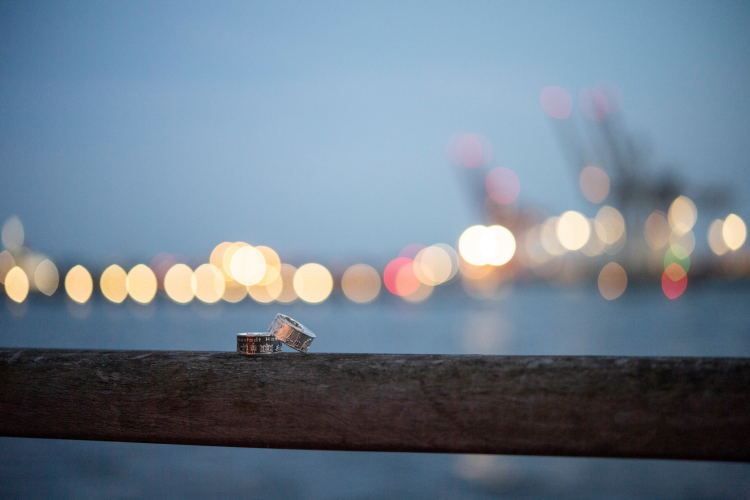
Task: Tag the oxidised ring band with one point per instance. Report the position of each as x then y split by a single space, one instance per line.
257 343
291 332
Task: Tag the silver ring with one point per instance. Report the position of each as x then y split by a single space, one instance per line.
291 332
257 343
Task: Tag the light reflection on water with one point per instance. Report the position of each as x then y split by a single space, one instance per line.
704 322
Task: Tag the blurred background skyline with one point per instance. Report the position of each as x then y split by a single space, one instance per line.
130 129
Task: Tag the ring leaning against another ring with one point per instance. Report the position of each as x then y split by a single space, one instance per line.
257 343
291 332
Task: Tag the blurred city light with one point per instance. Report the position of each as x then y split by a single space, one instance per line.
313 283
78 284
734 231
548 237
480 245
594 184
433 265
13 234
141 284
657 230
609 225
593 104
247 265
612 281
266 294
361 283
556 102
677 255
178 283
502 185
287 295
208 283
420 294
716 237
470 150
7 262
573 230
685 240
674 280
16 284
234 291
682 214
113 284
46 277
273 265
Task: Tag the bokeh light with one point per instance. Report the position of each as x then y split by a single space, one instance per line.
420 294
685 240
502 185
46 277
178 283
78 284
594 184
247 265
410 251
208 283
361 283
609 225
13 234
612 94
656 230
265 294
16 284
470 150
716 237
612 281
141 284
674 280
480 245
7 262
593 104
313 283
113 284
287 295
273 265
734 231
682 214
227 255
556 102
548 237
234 291
160 265
677 255
573 230
217 257
399 276
433 265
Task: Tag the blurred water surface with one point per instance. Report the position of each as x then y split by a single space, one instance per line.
709 321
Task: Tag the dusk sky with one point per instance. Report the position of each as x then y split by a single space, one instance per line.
320 128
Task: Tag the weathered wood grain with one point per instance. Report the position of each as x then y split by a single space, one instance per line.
688 408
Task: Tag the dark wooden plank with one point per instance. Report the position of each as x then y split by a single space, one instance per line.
688 408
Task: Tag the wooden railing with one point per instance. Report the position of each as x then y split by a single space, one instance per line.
685 408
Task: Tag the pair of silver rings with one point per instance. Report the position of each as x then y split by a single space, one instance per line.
283 329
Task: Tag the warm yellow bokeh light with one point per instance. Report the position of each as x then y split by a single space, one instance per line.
46 277
313 283
287 295
178 283
657 230
217 257
141 284
233 291
266 294
480 245
716 238
734 231
549 239
273 265
682 214
612 281
609 225
594 246
16 284
473 272
420 294
685 240
361 283
573 230
228 254
78 284
433 265
208 283
594 184
13 234
247 265
7 262
113 284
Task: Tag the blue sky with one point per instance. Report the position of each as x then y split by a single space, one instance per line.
319 128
